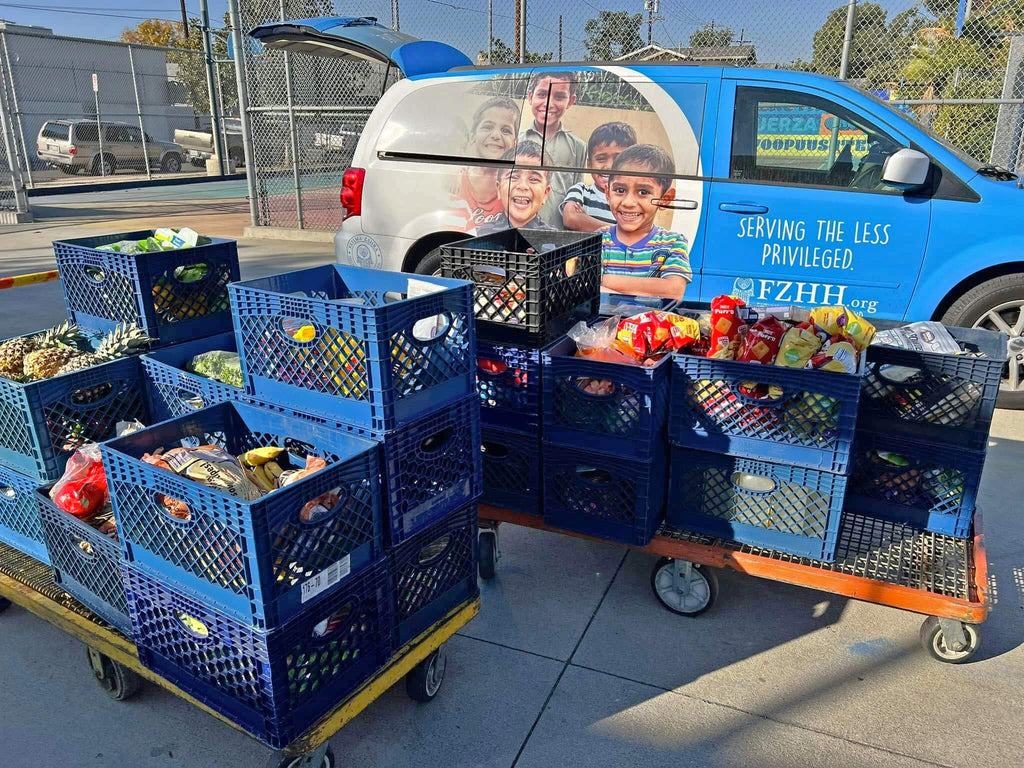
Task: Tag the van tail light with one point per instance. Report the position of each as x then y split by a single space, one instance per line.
72 151
352 192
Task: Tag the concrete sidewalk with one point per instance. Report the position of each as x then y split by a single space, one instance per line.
572 661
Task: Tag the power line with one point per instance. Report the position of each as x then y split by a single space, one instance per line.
56 9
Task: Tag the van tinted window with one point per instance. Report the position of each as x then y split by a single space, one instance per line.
56 131
86 132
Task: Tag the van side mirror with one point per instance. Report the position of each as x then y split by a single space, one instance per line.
905 169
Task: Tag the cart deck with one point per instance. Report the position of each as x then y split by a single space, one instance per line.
876 561
29 583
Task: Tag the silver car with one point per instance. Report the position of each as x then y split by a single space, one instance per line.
74 145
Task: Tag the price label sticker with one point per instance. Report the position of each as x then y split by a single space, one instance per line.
326 579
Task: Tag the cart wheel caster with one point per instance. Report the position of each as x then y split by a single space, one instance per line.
685 588
306 761
117 680
948 640
488 554
4 604
424 681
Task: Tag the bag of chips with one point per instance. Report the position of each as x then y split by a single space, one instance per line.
761 344
839 355
215 468
725 327
836 320
799 345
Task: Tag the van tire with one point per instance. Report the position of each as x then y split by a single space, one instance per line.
171 163
430 264
970 309
111 163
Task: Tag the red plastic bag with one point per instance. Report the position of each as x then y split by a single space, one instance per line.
82 489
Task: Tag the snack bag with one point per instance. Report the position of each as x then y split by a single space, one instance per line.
638 334
725 327
799 345
215 468
839 354
82 489
320 506
836 320
761 344
313 464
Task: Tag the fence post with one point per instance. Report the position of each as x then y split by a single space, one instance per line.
243 109
395 22
844 63
138 109
292 134
21 209
17 113
226 162
204 12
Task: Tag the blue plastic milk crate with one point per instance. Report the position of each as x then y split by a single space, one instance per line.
353 345
605 496
760 503
512 461
174 391
806 417
43 422
508 380
86 563
433 572
431 466
627 418
933 397
173 295
275 684
20 526
259 561
925 485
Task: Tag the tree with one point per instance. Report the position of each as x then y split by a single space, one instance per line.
710 36
871 41
611 34
190 65
501 53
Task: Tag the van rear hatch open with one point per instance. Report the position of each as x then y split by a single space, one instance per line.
360 38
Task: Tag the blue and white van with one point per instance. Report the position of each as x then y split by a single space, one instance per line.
789 187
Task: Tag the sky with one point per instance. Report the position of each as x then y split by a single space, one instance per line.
780 29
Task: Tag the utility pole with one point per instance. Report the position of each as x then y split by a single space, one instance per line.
211 84
521 30
490 31
394 16
242 83
559 37
651 6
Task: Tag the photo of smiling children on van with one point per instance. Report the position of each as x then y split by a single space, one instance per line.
550 95
522 190
637 256
493 130
585 207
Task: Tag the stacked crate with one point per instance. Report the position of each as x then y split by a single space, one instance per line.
42 423
769 472
530 287
923 432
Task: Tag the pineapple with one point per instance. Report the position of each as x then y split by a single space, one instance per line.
12 356
55 347
122 341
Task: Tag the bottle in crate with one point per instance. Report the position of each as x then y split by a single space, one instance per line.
273 684
263 560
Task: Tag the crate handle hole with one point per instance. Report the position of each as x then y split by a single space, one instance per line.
494 450
172 508
753 484
595 389
7 493
298 329
767 400
437 441
490 368
324 506
192 400
82 547
299 448
95 275
899 375
193 626
433 551
334 622
432 329
594 476
187 274
495 276
570 266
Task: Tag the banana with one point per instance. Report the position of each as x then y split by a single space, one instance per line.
251 476
273 469
262 480
258 456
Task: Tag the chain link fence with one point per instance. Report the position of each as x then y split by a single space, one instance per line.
108 110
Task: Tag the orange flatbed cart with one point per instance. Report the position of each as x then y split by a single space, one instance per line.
876 561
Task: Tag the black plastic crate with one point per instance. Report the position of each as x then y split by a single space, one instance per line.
512 461
508 380
159 292
531 294
86 563
611 498
629 421
433 572
932 397
760 503
932 486
276 684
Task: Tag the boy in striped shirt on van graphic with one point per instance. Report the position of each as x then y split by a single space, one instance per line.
585 207
637 256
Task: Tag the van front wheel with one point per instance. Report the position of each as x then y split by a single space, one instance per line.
998 305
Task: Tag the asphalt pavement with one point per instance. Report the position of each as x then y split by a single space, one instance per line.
572 661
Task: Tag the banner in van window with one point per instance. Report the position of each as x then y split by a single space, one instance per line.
540 150
795 132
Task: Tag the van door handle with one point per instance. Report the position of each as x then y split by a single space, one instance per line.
681 205
748 208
